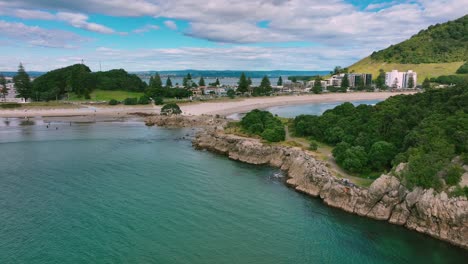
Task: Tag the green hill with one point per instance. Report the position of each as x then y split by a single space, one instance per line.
438 50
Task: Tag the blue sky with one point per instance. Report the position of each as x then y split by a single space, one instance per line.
209 34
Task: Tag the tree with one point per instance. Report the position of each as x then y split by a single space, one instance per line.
345 81
265 83
171 108
187 81
231 93
380 81
217 83
381 154
317 88
3 88
426 84
23 84
280 81
294 79
201 82
361 85
411 82
243 84
156 83
168 82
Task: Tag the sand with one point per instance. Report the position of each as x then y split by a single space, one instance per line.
216 107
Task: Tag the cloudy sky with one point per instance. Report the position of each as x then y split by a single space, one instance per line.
209 34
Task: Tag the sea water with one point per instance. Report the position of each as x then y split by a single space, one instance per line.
126 193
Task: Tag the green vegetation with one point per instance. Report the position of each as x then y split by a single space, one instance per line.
426 130
3 88
23 85
231 93
130 101
104 95
447 42
243 85
463 69
317 88
113 102
171 109
264 88
449 79
81 82
9 105
424 70
264 124
280 81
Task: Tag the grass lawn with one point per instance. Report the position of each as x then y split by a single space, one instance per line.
423 70
103 95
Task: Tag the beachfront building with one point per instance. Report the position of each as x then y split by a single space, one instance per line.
354 80
400 80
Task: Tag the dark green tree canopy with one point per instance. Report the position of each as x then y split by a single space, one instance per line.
171 109
280 81
201 82
243 85
168 82
23 83
426 130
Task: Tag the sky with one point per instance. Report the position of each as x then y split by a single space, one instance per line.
140 35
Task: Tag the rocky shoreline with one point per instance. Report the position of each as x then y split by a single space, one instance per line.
425 211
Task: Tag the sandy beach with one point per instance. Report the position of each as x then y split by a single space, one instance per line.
215 107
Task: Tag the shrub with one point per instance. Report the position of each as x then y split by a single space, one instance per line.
264 124
144 100
113 102
130 101
231 93
454 174
10 105
313 145
171 108
158 100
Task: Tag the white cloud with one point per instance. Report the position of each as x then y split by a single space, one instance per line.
81 21
146 28
230 58
170 24
35 36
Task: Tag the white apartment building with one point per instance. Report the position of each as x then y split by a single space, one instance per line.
400 80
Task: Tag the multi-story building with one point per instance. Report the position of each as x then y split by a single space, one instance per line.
354 79
401 80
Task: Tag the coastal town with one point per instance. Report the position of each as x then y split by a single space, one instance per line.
341 82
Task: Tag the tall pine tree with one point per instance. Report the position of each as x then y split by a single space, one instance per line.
3 88
411 82
168 82
345 81
280 81
157 82
201 82
243 84
317 88
23 84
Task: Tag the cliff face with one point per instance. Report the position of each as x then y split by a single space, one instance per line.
386 199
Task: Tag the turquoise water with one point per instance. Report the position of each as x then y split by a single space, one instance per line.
126 193
311 109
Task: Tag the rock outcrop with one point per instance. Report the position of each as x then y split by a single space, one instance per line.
386 199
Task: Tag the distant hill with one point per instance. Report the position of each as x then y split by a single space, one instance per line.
235 73
438 50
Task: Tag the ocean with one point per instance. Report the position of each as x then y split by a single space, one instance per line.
121 192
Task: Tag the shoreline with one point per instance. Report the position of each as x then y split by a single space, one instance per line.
387 199
201 108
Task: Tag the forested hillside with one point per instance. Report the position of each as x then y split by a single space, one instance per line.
79 79
426 130
447 42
